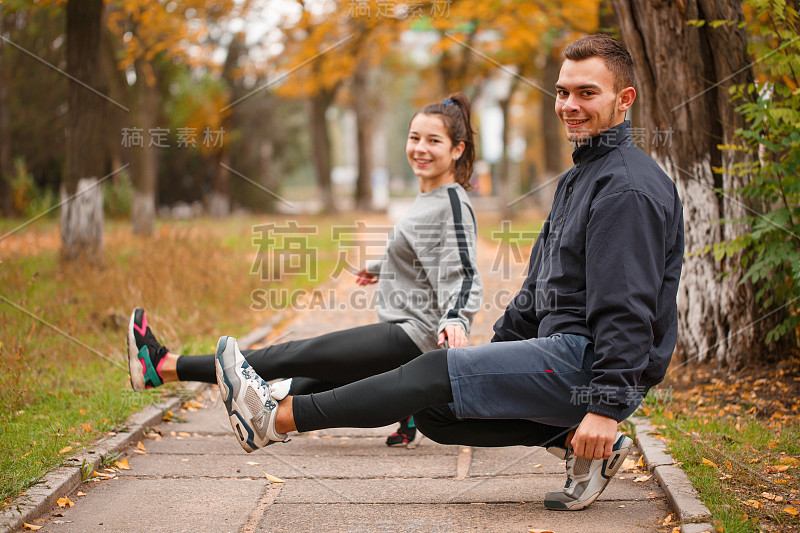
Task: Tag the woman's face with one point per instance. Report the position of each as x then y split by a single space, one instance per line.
430 150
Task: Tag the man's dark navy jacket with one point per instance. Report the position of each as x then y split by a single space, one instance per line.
606 266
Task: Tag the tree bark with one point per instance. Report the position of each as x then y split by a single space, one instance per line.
553 136
144 159
504 168
684 74
6 206
81 191
364 123
219 203
321 147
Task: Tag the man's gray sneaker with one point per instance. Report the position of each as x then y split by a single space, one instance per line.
251 408
586 478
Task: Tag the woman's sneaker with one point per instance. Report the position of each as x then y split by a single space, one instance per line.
145 354
404 435
586 478
251 408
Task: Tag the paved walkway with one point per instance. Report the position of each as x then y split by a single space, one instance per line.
195 477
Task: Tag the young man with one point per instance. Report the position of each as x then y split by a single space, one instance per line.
590 332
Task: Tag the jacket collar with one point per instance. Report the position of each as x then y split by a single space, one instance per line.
600 145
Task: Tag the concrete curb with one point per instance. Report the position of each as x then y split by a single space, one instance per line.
61 481
680 493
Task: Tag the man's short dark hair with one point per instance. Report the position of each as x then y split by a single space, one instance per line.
611 51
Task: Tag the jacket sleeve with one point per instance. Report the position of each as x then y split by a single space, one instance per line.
519 321
452 270
624 271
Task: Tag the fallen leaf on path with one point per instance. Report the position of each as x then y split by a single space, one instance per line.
642 479
80 494
184 434
539 531
122 464
273 479
64 502
629 463
31 526
640 462
253 463
141 446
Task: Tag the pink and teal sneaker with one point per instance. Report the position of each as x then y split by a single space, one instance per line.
145 354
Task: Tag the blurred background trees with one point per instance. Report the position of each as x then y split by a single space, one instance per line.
211 107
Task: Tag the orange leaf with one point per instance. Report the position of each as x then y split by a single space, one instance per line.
65 450
122 465
86 427
709 463
64 502
31 527
792 511
141 446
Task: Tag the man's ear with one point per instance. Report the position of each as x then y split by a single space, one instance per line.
625 98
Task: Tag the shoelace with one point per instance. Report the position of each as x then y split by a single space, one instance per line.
250 374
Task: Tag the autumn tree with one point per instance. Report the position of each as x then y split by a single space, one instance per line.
152 35
326 51
685 73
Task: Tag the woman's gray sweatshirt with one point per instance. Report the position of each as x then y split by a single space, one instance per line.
428 277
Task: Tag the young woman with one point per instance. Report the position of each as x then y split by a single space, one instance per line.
429 288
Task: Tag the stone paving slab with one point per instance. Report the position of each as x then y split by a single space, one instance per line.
499 518
292 467
530 488
168 505
514 460
227 445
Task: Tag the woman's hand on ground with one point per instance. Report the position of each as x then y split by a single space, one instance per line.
365 278
454 335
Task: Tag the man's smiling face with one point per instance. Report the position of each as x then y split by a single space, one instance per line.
586 101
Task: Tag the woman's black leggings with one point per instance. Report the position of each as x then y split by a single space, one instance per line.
421 388
319 363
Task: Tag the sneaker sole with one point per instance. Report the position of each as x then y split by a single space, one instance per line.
609 468
241 429
134 366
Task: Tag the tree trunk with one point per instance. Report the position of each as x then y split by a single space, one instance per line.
219 203
144 158
5 134
321 148
81 192
364 123
504 169
553 136
684 74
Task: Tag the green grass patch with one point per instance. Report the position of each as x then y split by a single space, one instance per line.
742 457
196 279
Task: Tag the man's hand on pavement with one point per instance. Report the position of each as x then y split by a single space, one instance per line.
594 438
